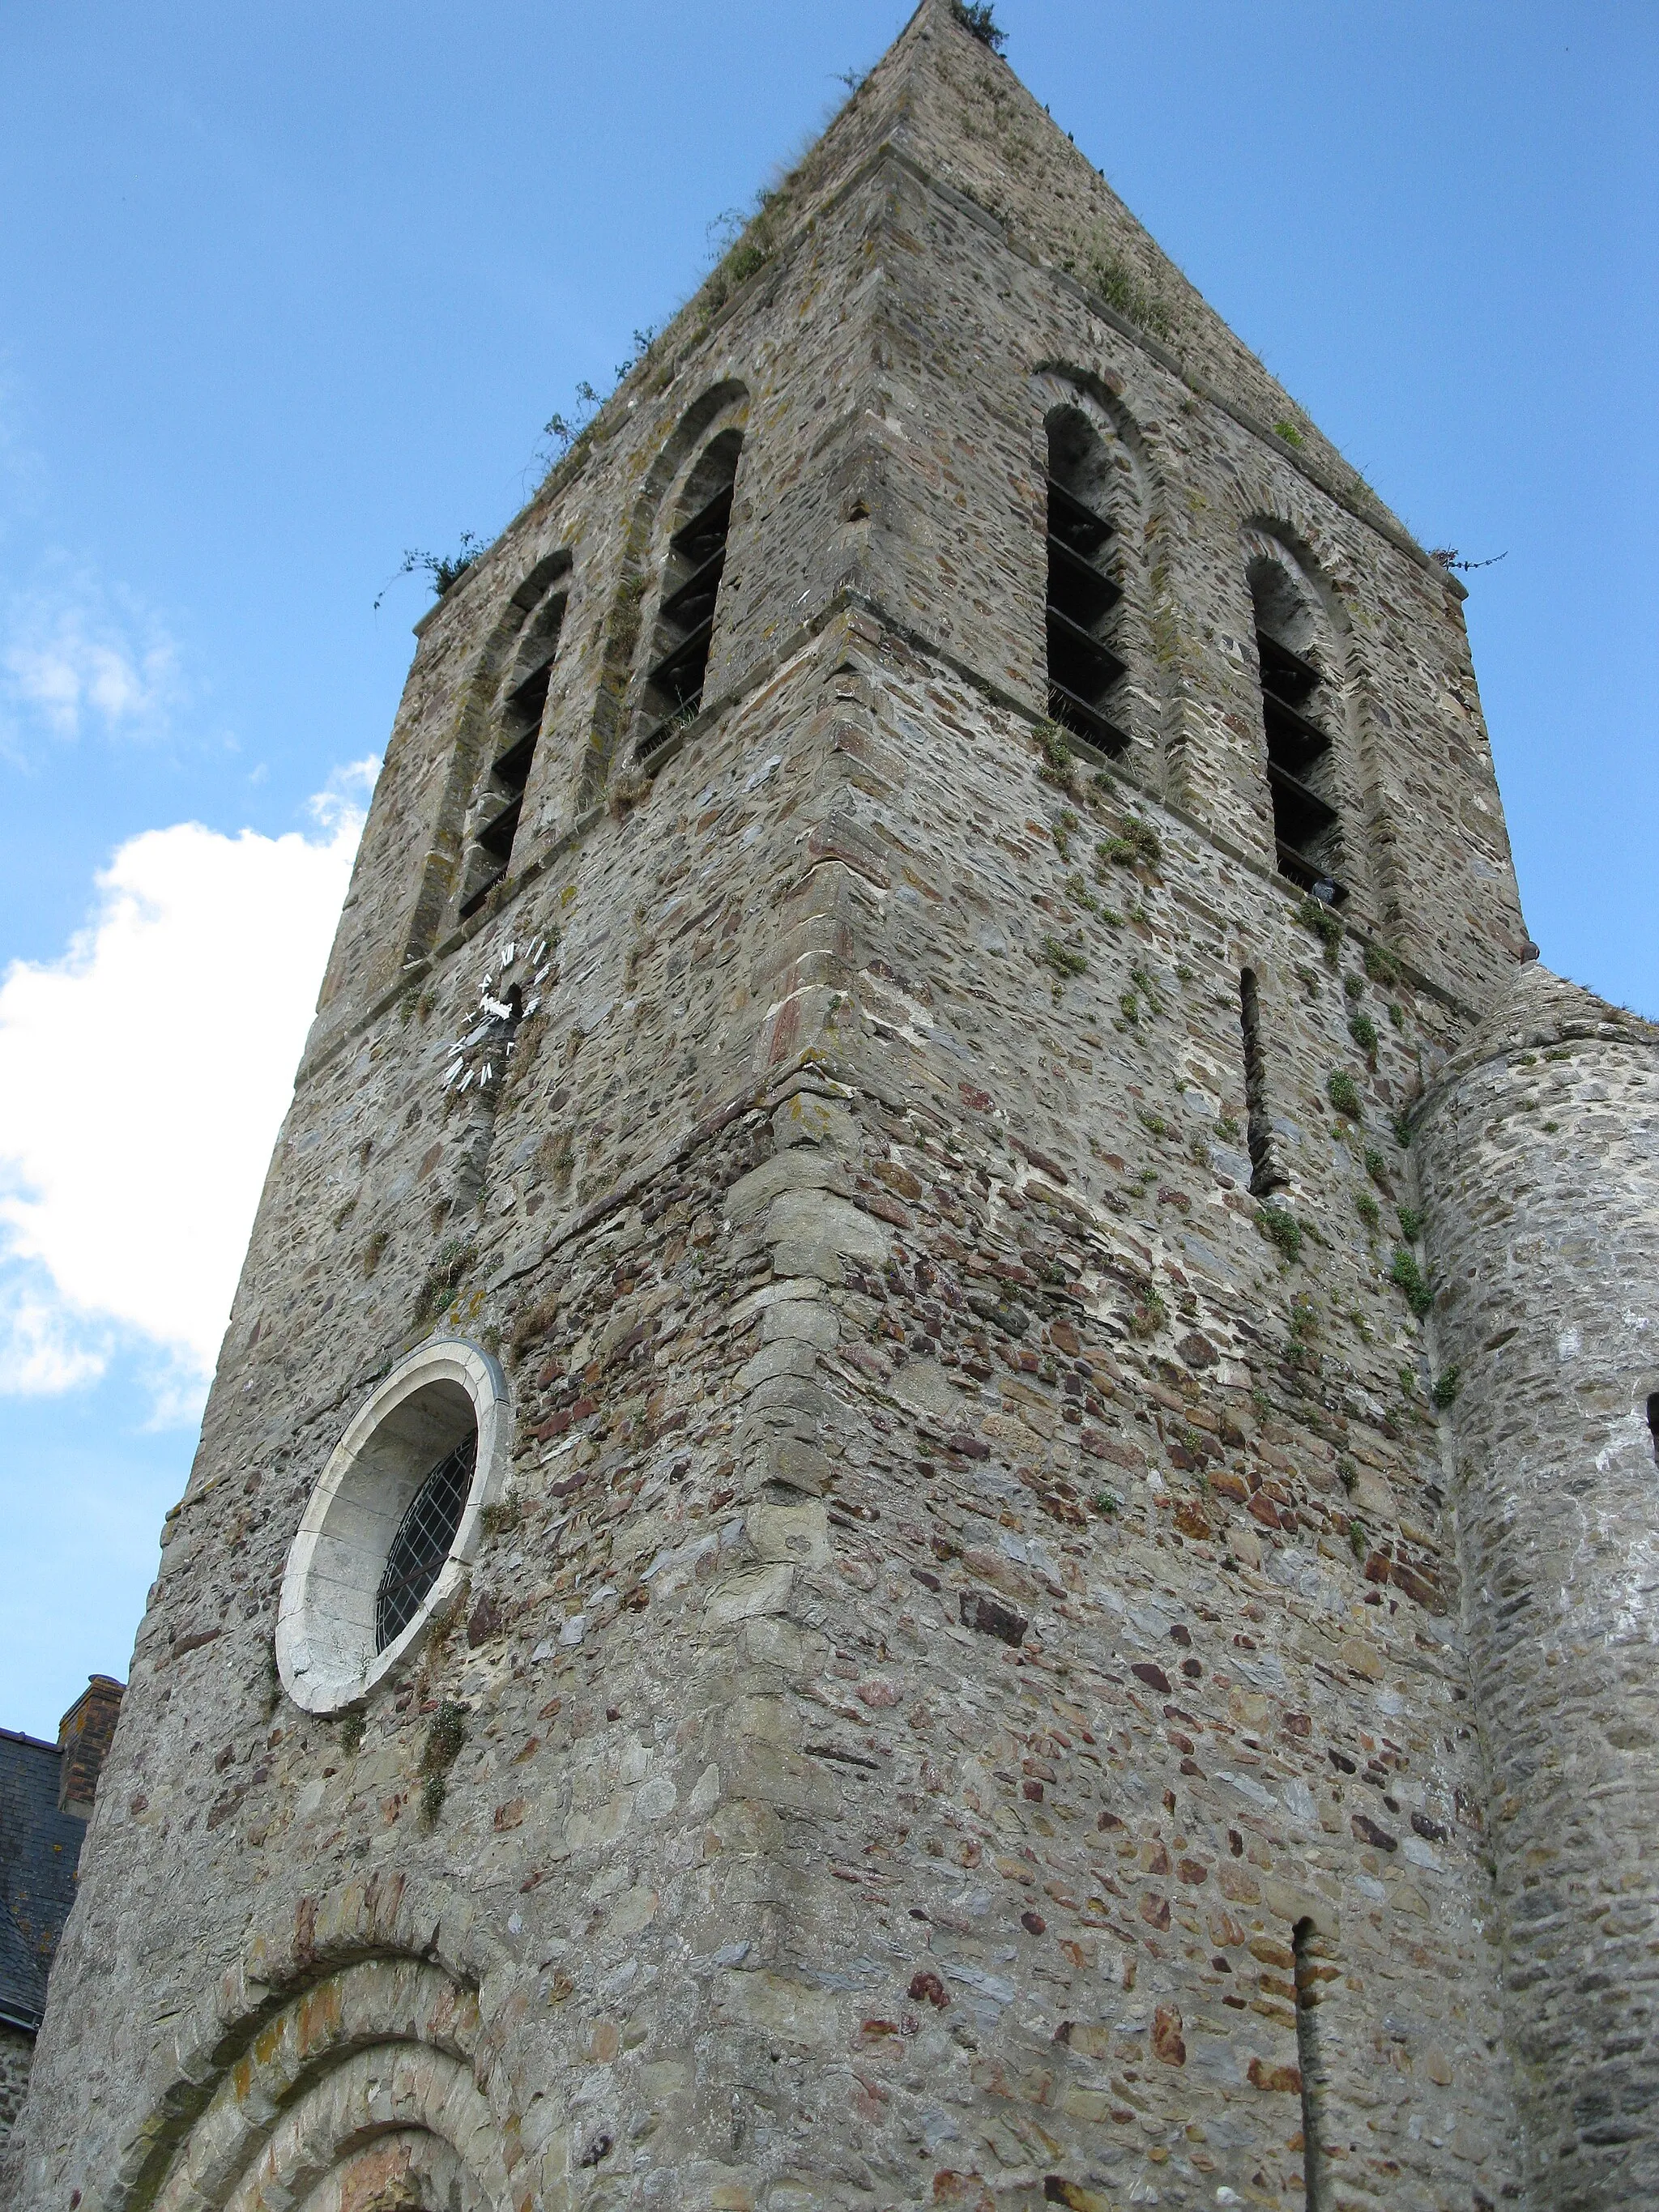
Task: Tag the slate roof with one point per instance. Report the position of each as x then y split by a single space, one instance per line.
39 1847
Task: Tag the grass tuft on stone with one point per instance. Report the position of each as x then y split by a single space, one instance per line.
1408 1276
1064 959
1148 1314
1380 965
448 1271
1282 1230
1344 1094
1317 918
1059 765
444 1739
1118 285
1137 844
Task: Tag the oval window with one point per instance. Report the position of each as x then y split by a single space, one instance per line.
385 1541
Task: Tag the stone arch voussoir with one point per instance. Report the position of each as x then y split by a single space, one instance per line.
393 1964
1291 529
387 2088
1053 380
404 2170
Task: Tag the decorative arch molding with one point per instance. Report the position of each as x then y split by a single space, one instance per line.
1056 380
441 875
723 406
1282 504
1294 540
380 2044
347 2056
408 2170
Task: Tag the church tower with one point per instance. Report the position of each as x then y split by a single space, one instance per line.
824 1565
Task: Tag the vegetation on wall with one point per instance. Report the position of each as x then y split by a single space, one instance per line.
446 570
980 22
1120 288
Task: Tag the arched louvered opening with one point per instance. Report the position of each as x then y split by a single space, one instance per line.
1085 667
693 566
519 710
1299 714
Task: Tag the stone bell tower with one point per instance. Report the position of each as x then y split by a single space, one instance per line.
824 1567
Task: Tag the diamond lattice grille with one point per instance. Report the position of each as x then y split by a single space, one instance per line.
422 1543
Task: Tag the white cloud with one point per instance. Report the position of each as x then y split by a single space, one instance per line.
41 1353
342 803
76 657
143 1077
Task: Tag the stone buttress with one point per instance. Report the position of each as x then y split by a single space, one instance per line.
952 1679
1540 1154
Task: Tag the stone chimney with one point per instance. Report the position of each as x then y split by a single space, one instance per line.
84 1736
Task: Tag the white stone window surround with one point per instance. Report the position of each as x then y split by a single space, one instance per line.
422 1409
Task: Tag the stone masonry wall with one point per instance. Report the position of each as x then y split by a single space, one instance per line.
1224 1562
1431 859
16 2051
966 1702
1541 1147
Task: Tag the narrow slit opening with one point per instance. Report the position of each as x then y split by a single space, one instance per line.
520 709
1311 1950
1653 1421
1266 1174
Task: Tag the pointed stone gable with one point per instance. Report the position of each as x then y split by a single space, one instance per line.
943 101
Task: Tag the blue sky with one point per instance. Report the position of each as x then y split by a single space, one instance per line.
286 291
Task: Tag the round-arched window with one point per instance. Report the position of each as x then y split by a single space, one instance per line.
383 1549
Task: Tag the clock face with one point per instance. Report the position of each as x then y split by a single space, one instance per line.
509 992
